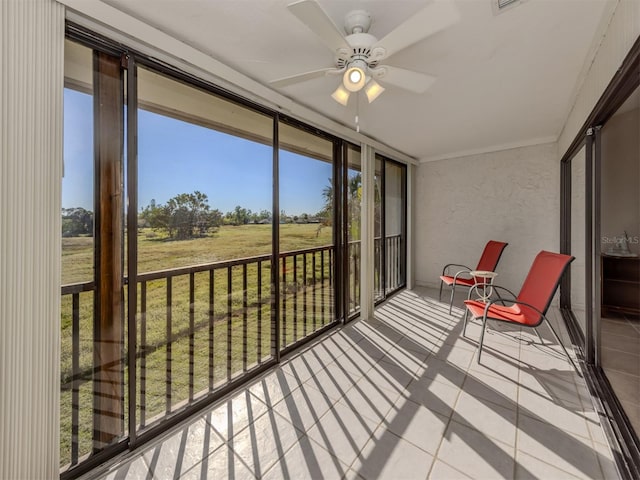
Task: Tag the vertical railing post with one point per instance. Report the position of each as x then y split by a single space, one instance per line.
75 372
322 297
259 294
295 297
192 315
211 326
244 317
169 335
304 293
313 286
283 296
143 353
229 320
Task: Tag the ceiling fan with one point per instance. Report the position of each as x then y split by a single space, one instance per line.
358 54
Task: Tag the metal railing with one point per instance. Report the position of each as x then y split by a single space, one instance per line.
201 327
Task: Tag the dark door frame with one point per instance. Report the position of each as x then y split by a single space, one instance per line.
620 434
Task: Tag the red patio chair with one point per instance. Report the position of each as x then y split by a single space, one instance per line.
488 262
530 306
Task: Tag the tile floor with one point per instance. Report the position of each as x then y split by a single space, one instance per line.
399 397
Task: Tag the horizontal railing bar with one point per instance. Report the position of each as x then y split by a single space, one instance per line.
78 287
174 272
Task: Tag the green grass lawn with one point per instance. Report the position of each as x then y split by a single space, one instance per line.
302 302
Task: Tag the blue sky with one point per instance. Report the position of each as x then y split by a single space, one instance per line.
178 157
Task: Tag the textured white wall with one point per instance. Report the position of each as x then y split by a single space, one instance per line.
31 83
460 204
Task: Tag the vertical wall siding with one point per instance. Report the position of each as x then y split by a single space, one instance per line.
31 83
620 35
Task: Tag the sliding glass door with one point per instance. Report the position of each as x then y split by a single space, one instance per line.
203 237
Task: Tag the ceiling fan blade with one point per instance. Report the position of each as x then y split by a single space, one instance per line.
313 16
406 79
303 77
437 16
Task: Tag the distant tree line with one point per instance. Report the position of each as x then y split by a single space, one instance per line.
77 222
189 215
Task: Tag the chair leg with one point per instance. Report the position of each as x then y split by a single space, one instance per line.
464 327
484 324
565 350
440 294
453 291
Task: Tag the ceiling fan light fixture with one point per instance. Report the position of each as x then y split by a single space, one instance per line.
341 95
354 79
373 90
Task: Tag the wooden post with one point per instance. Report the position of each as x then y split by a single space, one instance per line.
108 357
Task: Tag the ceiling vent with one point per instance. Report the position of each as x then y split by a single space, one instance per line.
500 6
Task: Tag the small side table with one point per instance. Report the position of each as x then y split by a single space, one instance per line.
484 282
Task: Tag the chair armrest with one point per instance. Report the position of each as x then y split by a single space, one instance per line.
498 288
488 304
444 270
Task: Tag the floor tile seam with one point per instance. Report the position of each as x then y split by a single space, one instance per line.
322 390
410 372
570 475
299 435
577 436
485 434
409 441
449 417
198 464
436 459
226 440
387 431
357 369
279 459
344 403
492 402
273 404
387 390
318 445
364 444
331 354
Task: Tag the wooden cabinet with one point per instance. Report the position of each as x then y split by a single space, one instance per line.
620 285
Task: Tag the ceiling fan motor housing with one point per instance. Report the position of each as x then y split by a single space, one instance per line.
360 44
357 21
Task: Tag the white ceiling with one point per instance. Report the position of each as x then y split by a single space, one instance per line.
502 80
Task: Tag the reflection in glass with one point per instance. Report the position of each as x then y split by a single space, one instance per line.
620 245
